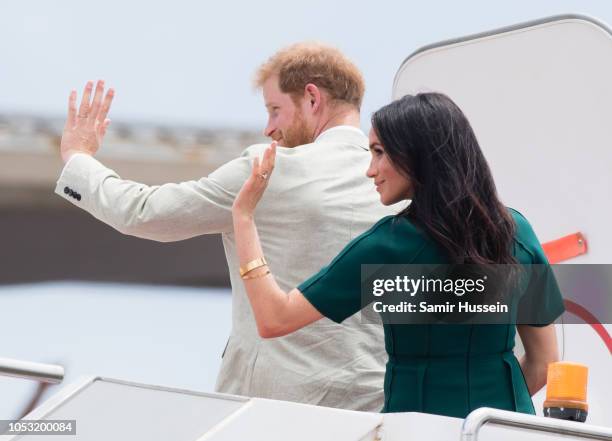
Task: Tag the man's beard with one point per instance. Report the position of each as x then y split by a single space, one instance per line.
298 133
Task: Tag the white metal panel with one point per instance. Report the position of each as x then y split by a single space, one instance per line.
420 426
538 97
493 432
106 409
270 420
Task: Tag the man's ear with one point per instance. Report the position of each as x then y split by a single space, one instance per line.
313 97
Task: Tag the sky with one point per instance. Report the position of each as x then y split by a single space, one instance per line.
192 62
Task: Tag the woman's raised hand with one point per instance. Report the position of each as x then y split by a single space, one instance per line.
255 186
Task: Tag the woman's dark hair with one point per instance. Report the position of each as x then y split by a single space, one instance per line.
429 139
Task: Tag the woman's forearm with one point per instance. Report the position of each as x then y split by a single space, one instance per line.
248 246
541 349
276 312
267 299
534 372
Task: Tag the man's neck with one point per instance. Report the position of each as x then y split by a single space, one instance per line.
340 117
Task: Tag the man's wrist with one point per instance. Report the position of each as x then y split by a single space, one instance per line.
70 153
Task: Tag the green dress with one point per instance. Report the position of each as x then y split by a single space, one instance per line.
445 369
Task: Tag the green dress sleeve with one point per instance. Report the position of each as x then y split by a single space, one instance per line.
542 302
335 291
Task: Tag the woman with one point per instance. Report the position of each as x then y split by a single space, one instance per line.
423 149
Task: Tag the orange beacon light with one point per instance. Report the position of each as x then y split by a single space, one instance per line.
566 391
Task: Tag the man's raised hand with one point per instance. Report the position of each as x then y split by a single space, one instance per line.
85 128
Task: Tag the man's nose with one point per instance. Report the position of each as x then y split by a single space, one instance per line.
269 130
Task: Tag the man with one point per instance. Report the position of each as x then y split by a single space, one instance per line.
317 201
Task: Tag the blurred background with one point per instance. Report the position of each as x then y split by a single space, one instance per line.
74 291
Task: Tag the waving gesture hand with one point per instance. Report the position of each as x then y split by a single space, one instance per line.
255 186
85 129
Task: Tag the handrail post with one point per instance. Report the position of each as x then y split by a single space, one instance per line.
479 417
46 373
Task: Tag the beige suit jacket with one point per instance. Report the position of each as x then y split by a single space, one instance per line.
318 199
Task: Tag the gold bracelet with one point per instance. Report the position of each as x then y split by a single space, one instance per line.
252 265
256 276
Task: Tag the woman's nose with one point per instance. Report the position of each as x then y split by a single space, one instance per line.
371 171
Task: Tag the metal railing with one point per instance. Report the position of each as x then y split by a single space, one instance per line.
476 419
46 373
